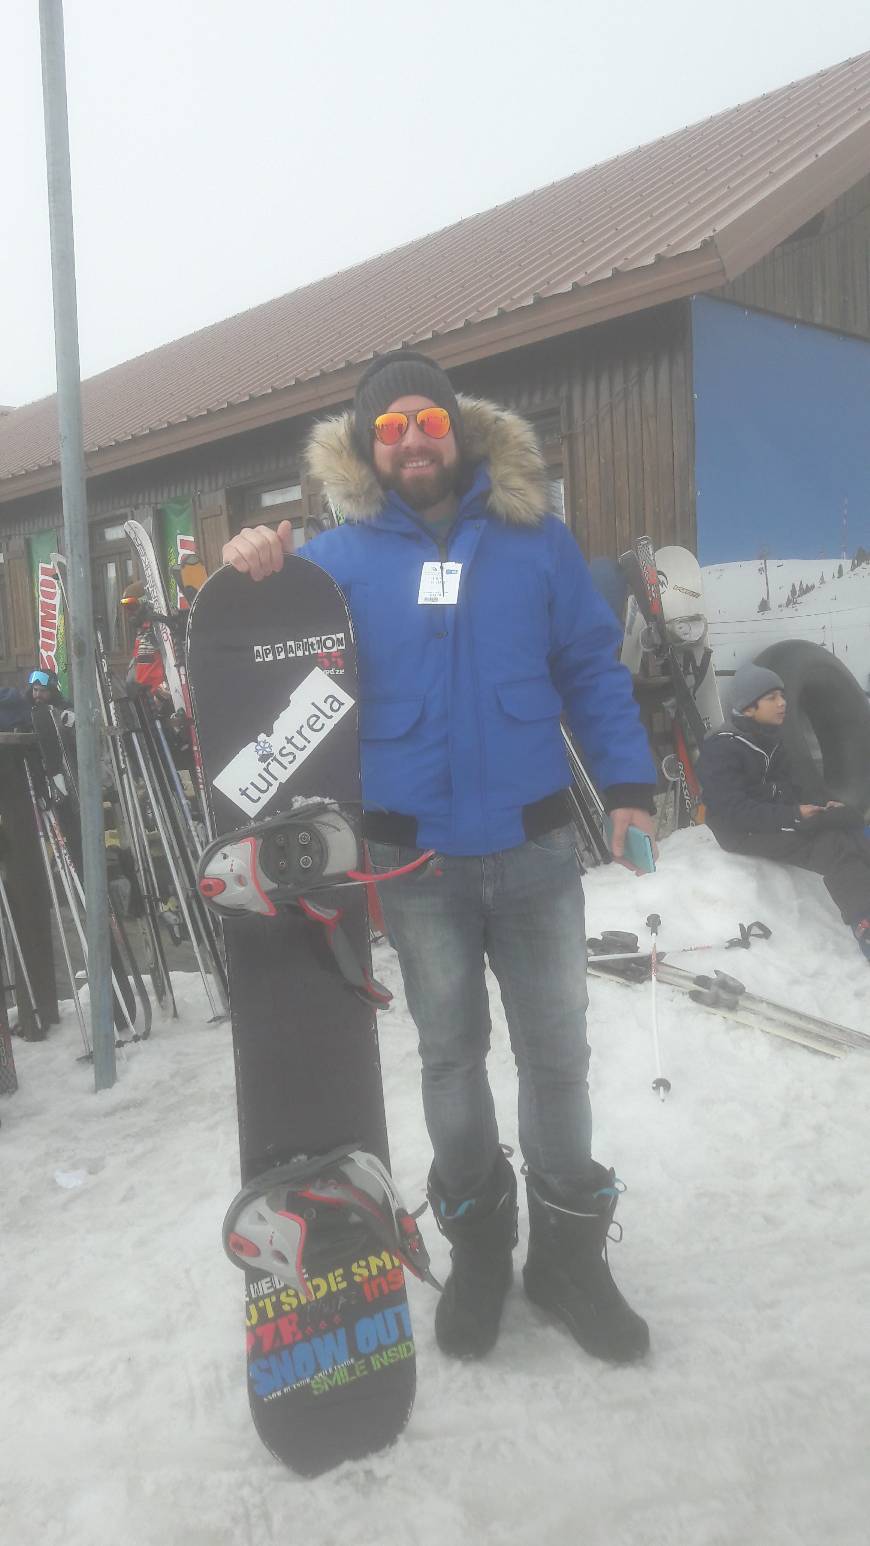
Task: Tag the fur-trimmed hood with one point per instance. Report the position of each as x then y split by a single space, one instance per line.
507 443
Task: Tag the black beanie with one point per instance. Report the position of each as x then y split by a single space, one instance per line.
401 374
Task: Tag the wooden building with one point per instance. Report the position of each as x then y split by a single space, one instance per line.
574 304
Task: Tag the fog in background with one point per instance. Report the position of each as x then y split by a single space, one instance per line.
223 154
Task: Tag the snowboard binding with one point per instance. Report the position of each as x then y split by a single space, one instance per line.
278 1220
278 862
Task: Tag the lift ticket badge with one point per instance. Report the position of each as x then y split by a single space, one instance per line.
439 584
258 771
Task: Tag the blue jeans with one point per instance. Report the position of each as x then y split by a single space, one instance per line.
523 909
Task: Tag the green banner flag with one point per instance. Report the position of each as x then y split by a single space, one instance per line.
178 538
50 619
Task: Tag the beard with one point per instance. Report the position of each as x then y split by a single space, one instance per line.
421 490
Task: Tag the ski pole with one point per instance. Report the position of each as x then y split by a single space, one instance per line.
660 1083
55 902
7 909
8 986
74 889
218 1008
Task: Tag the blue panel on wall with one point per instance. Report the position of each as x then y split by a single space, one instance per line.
782 436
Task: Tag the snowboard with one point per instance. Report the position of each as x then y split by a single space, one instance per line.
666 649
684 620
273 679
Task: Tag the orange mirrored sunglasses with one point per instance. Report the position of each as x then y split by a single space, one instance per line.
390 427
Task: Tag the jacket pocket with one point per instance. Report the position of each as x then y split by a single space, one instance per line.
533 698
385 719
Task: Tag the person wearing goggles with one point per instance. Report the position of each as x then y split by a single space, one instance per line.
478 626
42 687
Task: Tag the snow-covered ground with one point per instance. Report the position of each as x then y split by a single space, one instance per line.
124 1419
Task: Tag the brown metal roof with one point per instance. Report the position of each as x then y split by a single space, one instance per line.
683 214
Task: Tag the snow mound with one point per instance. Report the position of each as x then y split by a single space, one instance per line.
746 1245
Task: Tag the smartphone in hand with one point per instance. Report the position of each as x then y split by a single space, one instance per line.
638 848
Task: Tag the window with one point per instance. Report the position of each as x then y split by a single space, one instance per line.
269 505
290 495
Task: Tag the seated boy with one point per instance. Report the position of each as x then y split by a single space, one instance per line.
756 805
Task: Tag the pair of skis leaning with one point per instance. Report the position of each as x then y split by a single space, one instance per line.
146 778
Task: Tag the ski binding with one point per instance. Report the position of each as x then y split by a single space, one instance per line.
279 861
276 862
268 1224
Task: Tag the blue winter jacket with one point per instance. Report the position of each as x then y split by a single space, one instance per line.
460 705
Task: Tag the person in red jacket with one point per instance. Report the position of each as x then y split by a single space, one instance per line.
145 672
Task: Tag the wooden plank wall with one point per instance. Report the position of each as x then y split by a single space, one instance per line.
630 437
821 274
622 394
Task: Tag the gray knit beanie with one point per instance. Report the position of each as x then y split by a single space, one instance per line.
750 683
401 374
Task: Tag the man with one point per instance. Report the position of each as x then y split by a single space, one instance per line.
757 806
477 626
43 687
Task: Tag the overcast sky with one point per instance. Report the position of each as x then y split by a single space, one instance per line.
224 152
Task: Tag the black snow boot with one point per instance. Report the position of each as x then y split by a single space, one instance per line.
482 1232
567 1271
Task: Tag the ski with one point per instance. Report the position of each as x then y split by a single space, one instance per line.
143 863
63 811
318 1228
727 996
665 648
160 614
169 633
46 853
181 863
587 809
143 868
640 571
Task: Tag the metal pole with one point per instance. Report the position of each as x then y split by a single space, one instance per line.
80 622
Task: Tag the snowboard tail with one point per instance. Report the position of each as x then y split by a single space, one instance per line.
331 1373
